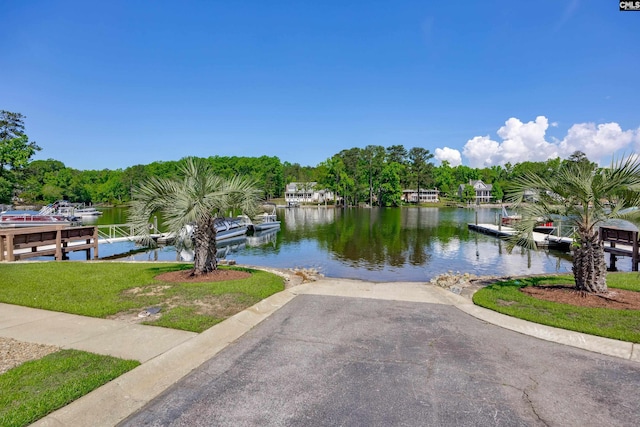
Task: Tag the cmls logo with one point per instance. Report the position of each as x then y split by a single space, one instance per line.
630 5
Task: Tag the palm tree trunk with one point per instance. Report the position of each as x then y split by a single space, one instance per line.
204 250
589 267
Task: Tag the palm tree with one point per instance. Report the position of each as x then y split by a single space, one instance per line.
197 197
586 196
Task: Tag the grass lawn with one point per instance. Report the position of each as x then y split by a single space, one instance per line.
505 297
102 289
36 388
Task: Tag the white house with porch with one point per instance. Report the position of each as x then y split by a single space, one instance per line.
306 192
426 196
483 191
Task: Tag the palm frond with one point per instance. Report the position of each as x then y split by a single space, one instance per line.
194 196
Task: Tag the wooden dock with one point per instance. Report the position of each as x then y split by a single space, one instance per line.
621 242
617 242
542 240
57 240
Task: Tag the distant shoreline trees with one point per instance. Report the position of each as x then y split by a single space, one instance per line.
374 175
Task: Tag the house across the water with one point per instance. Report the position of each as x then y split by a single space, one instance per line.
306 192
483 191
426 196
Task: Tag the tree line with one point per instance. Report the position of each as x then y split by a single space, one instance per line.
373 174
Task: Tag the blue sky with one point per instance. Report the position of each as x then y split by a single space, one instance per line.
112 84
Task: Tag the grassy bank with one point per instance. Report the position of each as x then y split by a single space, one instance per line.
103 289
36 388
505 297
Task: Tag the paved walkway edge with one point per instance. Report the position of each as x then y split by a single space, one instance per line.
420 292
116 400
610 347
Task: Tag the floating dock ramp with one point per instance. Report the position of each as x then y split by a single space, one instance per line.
542 240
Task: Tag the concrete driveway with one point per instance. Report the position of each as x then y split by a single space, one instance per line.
325 360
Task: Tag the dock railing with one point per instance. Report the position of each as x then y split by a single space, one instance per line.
57 240
113 232
621 243
125 232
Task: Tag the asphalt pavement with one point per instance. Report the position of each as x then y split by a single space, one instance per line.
344 352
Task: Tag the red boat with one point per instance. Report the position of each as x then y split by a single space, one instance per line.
34 219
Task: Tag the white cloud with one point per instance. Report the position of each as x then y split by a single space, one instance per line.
451 155
481 151
527 142
597 142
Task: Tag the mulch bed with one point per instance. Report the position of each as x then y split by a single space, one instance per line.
184 276
618 299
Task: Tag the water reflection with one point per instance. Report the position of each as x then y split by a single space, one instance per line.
396 244
413 244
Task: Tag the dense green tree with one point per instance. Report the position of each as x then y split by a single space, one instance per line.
390 189
132 177
162 169
526 168
546 170
267 172
34 178
112 189
50 193
95 183
398 154
293 172
336 178
463 174
271 178
445 179
579 157
374 156
468 193
496 192
585 196
15 152
355 188
197 196
15 148
492 175
6 190
420 167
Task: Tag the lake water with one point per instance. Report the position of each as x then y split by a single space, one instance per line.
408 244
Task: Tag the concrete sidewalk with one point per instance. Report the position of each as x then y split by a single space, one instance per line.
169 355
102 336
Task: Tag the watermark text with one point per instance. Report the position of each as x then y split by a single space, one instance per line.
630 5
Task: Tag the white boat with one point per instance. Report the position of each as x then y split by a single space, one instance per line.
223 248
266 221
226 228
34 219
261 238
90 211
64 207
230 227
